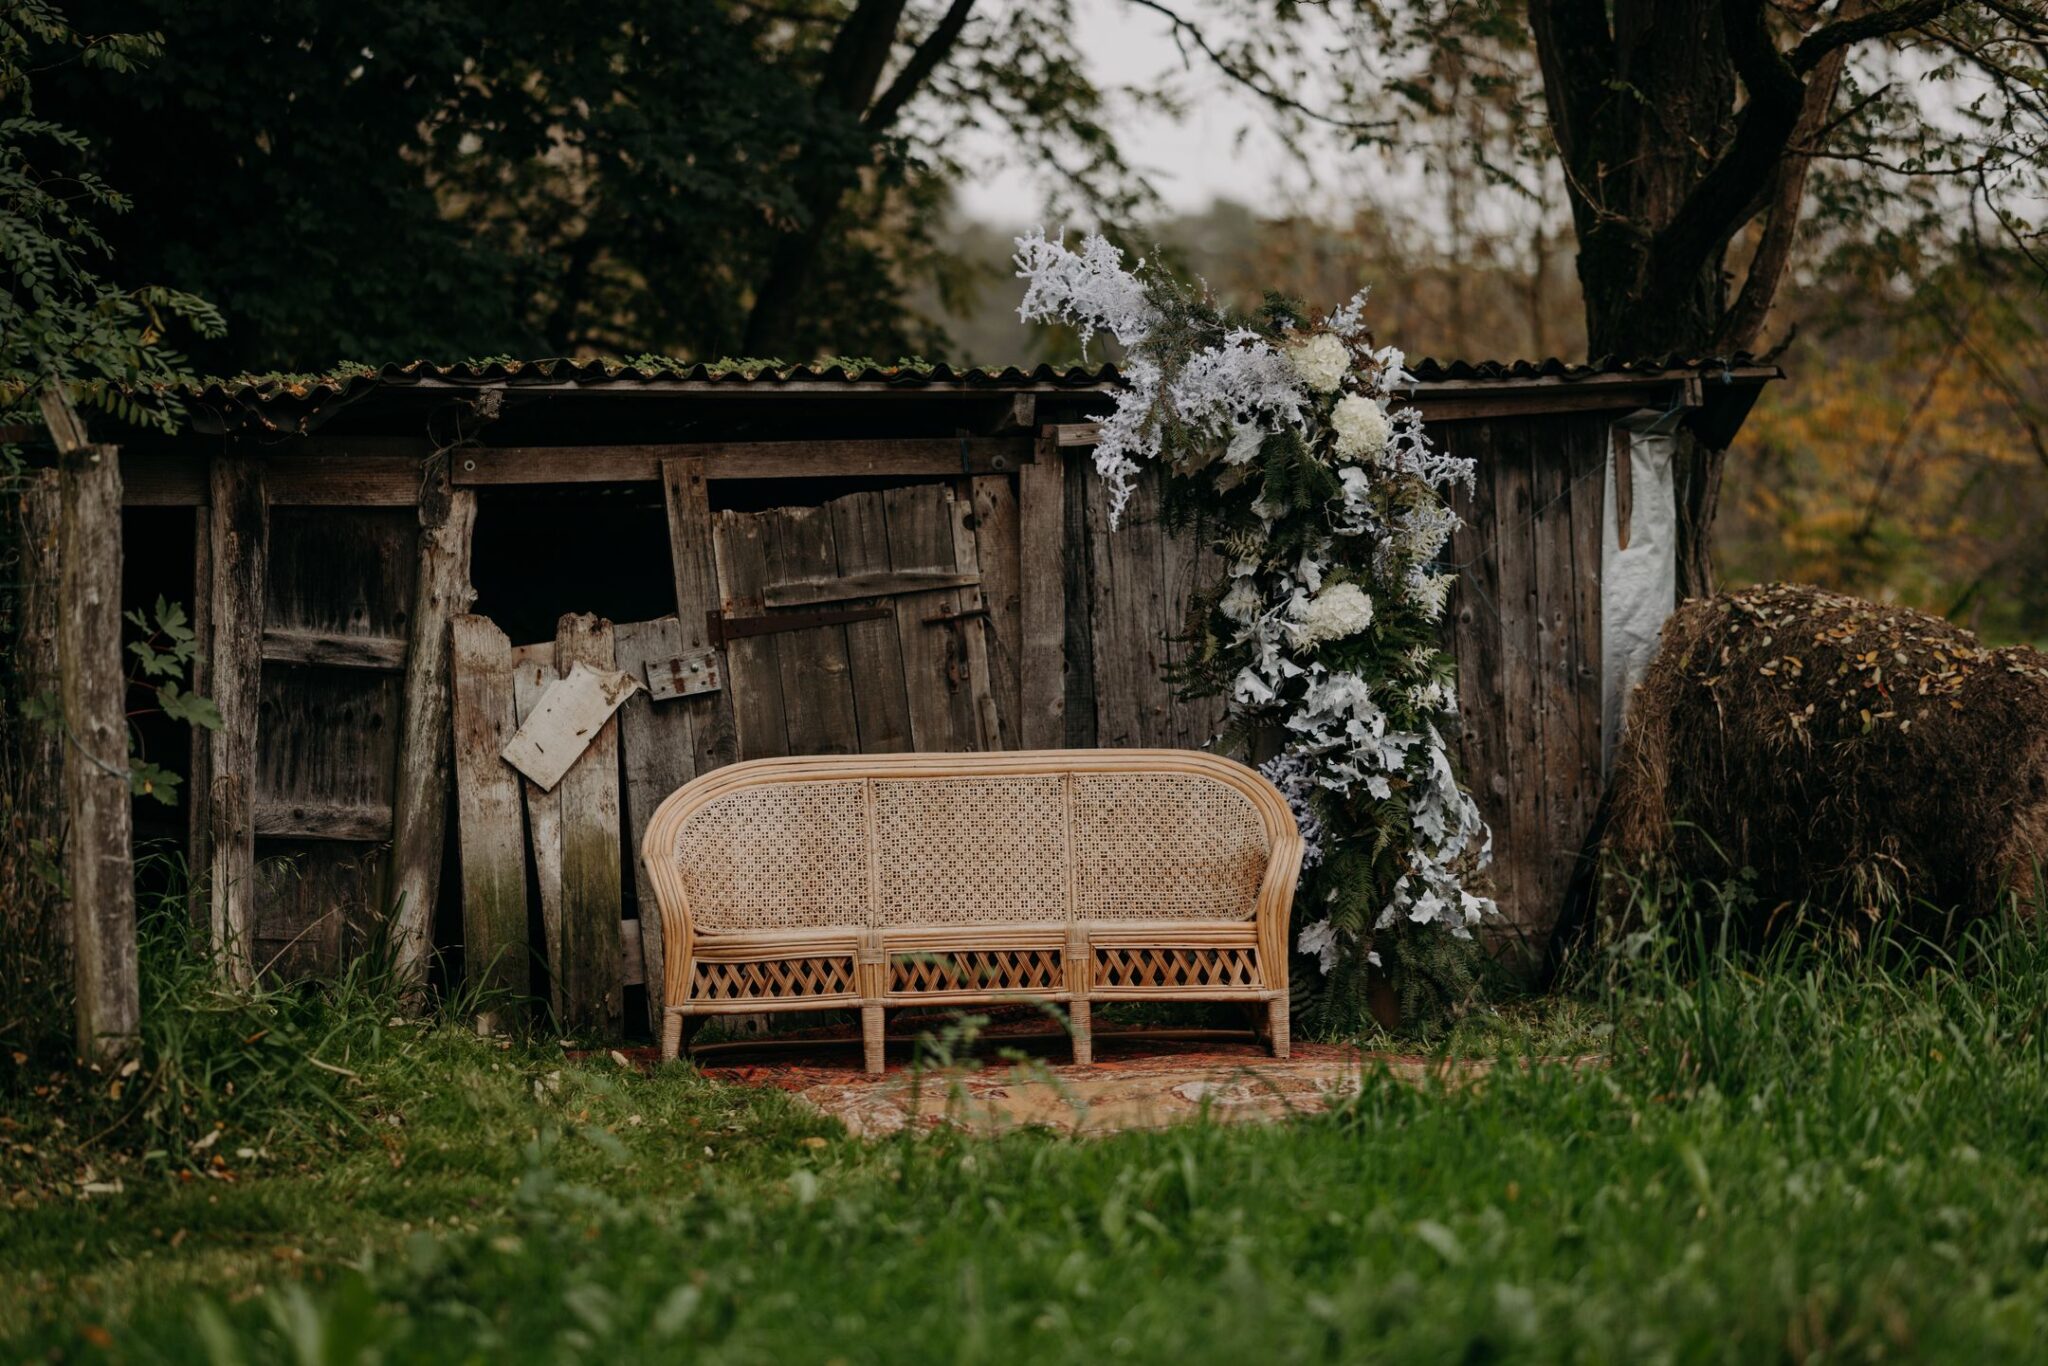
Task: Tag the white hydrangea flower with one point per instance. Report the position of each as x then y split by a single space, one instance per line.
1322 361
1241 603
1361 426
1319 939
1342 609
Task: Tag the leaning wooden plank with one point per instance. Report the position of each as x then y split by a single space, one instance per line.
657 750
592 996
238 521
568 719
98 871
944 715
420 811
1041 589
690 538
533 673
487 822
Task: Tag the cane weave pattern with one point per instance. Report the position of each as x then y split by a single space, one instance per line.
996 970
1139 967
1166 846
776 857
772 979
966 851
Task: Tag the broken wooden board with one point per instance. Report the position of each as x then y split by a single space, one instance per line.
568 717
690 673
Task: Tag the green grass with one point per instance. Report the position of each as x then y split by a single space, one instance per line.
1809 1157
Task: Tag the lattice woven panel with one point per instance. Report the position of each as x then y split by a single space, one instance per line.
771 979
968 851
978 970
1138 967
783 856
1156 846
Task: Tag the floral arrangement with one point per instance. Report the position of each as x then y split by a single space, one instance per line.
1328 508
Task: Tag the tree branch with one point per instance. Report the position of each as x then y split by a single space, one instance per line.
1188 30
1875 24
925 59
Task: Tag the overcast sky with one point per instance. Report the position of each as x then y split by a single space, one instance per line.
1191 162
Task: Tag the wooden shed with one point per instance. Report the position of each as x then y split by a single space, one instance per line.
795 561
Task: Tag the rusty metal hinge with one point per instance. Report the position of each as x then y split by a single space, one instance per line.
722 628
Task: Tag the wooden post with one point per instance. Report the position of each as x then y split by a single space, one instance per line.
238 526
593 993
1042 587
533 671
199 777
487 819
98 858
419 818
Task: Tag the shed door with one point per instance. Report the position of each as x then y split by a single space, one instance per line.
857 626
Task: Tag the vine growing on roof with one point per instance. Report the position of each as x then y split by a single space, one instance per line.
1328 509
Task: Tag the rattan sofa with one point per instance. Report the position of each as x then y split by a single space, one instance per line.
1069 876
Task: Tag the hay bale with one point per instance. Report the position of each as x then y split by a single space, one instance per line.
1870 759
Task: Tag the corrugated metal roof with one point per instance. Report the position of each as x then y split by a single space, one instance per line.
346 382
562 373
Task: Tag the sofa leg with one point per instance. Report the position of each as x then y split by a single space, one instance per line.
671 1035
1276 1026
871 1038
1082 1025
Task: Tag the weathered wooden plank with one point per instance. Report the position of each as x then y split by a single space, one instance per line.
592 901
1133 706
1078 554
98 834
1187 565
338 572
42 916
845 587
997 550
976 640
860 536
489 833
176 479
533 673
929 457
944 715
1042 601
1519 847
310 899
239 526
364 822
285 645
1473 634
1560 770
658 752
753 663
817 687
420 809
326 738
199 747
692 557
566 722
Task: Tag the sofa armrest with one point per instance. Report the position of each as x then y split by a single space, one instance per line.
1276 907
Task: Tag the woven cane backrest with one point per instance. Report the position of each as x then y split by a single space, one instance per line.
971 850
1023 839
786 856
1166 846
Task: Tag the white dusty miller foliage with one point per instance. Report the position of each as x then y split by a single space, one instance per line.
1329 509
